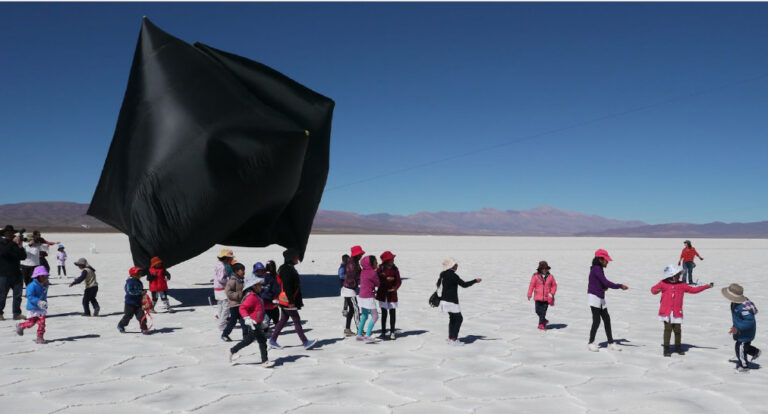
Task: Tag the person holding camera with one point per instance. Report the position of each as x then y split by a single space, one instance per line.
11 255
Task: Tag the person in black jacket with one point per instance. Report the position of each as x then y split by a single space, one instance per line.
11 255
290 299
449 300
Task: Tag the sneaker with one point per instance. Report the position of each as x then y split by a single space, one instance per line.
360 337
20 331
19 317
230 356
592 347
226 338
96 312
121 329
348 332
40 341
268 364
392 336
542 327
371 340
274 345
757 355
742 369
455 342
613 347
310 343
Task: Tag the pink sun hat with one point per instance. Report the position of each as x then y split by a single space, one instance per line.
39 271
604 254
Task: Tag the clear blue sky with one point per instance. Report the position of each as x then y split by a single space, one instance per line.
423 82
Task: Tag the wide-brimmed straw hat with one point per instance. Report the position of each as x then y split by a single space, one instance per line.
81 262
226 253
449 263
734 292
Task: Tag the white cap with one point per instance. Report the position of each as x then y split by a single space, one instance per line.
251 280
671 270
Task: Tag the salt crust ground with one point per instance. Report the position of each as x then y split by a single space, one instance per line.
507 366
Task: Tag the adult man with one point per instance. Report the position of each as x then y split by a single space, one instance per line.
11 255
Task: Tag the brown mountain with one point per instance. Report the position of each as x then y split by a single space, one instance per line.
755 230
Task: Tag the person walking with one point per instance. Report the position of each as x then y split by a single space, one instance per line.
542 288
88 275
290 299
686 257
11 255
744 326
37 304
449 299
598 284
222 273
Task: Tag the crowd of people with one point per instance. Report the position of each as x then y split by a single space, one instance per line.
263 300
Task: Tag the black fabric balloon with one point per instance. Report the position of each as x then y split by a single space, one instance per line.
211 148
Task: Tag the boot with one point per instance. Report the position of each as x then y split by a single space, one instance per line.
19 317
666 351
679 350
348 332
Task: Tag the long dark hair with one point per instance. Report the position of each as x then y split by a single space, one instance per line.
271 267
688 244
596 262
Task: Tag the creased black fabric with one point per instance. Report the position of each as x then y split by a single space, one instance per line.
211 148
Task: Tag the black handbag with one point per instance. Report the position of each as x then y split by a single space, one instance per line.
434 300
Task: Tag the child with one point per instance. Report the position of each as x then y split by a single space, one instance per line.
252 310
222 272
270 289
389 283
543 288
369 280
743 313
349 288
61 260
158 278
671 308
88 275
134 292
37 304
449 299
234 292
290 299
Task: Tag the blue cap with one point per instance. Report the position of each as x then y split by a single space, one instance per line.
258 266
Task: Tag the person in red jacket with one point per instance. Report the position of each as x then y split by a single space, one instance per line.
389 283
686 257
158 278
671 308
252 311
543 288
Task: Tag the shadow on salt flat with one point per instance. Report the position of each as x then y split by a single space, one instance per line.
279 361
411 333
63 314
323 342
620 341
557 326
164 330
751 365
469 339
74 338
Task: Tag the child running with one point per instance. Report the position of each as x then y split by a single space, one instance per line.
252 310
134 292
270 290
349 289
158 278
389 283
88 274
37 304
234 292
369 280
744 327
543 288
596 288
671 308
290 299
61 261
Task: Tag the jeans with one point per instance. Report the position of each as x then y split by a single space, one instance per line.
541 310
7 284
89 297
234 317
294 315
255 332
598 313
135 311
454 324
688 270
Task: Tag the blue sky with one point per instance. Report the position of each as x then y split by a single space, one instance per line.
655 111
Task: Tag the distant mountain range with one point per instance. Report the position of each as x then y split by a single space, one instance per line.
539 221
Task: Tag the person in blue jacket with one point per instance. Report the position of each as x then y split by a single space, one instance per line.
134 293
37 304
743 312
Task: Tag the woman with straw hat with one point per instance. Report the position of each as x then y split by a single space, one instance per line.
449 299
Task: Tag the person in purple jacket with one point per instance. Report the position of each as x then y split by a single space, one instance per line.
369 281
598 284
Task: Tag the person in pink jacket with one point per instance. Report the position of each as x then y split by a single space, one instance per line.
543 288
252 311
369 280
671 309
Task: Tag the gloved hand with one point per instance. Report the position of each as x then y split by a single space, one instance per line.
42 304
248 321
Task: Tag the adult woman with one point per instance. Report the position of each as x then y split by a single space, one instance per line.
686 257
449 300
598 284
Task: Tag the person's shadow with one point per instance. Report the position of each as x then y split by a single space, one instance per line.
750 364
557 326
74 338
406 334
688 347
323 342
57 315
620 341
164 330
470 339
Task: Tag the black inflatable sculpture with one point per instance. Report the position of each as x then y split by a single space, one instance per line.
211 148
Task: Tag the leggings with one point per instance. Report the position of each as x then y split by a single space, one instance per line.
40 321
89 297
255 332
353 311
374 313
541 307
668 328
294 315
597 313
742 350
384 321
454 324
60 269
